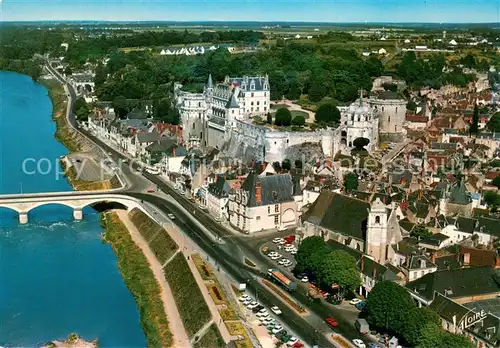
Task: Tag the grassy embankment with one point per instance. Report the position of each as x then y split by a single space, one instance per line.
140 280
192 308
211 339
71 140
226 309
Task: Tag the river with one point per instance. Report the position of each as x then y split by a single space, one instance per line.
56 276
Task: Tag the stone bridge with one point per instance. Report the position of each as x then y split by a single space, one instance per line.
23 203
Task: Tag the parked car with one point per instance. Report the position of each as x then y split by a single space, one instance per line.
247 302
358 343
263 318
360 305
331 322
304 279
262 313
292 341
374 345
276 310
252 305
244 298
171 216
268 321
258 308
277 329
277 240
354 301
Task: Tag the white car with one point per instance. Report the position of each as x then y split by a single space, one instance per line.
304 279
276 240
277 328
355 301
288 263
276 310
244 298
292 341
262 313
264 318
252 305
293 252
247 302
171 216
358 343
269 321
282 261
282 242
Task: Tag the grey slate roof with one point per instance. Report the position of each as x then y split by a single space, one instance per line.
458 283
459 194
275 189
219 189
232 103
246 82
148 137
435 239
339 213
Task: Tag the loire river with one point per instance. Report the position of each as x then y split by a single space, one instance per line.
56 277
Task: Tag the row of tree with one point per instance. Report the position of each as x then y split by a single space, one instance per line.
327 266
390 306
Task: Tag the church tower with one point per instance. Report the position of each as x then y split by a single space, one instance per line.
376 232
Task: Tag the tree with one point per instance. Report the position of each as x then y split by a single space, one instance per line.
269 119
494 123
327 113
286 164
431 336
449 339
306 253
68 71
496 182
120 106
474 127
420 231
339 267
81 109
416 321
360 143
388 304
492 199
350 181
283 117
299 121
277 167
411 105
316 92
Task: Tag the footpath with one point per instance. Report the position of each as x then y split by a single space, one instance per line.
174 319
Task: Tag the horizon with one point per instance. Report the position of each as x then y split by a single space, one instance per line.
260 11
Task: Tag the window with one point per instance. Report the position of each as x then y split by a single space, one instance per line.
377 219
389 118
258 102
382 108
276 208
396 110
252 92
251 103
199 104
269 210
265 108
265 102
257 108
232 111
251 109
276 221
194 125
257 218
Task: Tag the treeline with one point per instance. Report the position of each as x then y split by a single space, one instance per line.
23 43
316 70
28 67
429 72
92 48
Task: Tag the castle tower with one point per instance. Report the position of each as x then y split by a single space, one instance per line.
376 232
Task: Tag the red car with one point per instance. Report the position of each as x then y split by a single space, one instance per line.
332 322
298 345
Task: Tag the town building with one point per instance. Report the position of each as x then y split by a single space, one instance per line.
265 202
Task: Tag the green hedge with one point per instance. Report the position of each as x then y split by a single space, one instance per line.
146 226
163 246
140 280
188 297
211 338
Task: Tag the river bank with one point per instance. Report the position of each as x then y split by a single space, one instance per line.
73 341
140 280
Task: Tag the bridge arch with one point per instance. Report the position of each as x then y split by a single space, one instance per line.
23 205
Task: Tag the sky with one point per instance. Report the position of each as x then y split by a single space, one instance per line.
436 11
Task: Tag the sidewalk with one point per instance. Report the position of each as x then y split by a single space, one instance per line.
180 337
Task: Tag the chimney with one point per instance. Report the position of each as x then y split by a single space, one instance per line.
258 192
466 258
374 270
328 162
433 257
173 152
362 263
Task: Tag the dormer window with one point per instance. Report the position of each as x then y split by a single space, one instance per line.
252 85
243 85
266 86
377 219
